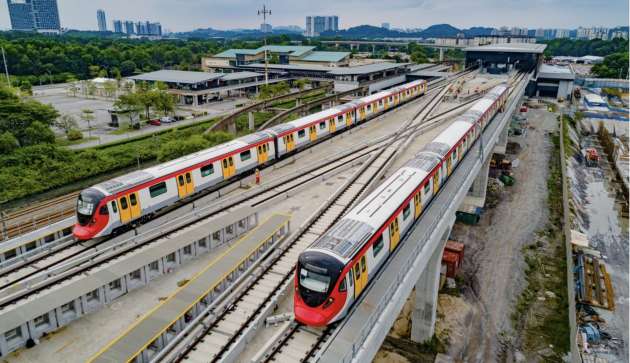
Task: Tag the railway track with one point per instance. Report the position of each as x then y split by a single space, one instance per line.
35 216
299 343
222 335
86 258
49 259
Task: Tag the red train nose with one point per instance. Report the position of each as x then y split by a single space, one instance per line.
83 233
311 316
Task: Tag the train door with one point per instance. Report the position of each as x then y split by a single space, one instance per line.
181 186
375 107
288 142
134 205
394 234
449 164
227 166
123 207
332 125
364 273
436 180
362 113
312 131
262 153
417 202
349 119
358 279
386 102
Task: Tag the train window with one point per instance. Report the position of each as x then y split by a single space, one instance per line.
246 155
103 211
342 285
406 211
114 206
357 271
363 264
380 102
351 276
10 254
369 107
378 246
132 199
207 170
427 188
188 178
339 118
225 163
301 134
264 147
157 189
181 180
322 125
42 320
123 203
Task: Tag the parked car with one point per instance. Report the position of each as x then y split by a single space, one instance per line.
155 122
167 119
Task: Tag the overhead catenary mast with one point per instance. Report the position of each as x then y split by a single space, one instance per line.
264 12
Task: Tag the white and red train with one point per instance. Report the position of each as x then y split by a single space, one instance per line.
333 272
106 207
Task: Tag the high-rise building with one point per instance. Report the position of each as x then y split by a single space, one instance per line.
118 26
619 34
319 24
562 33
102 22
385 25
129 27
34 15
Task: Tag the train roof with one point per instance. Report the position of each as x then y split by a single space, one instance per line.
132 179
425 161
375 97
497 91
349 235
453 133
482 105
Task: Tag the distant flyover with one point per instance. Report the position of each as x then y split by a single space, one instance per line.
374 43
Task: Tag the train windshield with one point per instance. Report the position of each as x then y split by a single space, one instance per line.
314 278
86 205
85 208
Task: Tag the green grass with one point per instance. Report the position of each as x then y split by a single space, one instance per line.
260 117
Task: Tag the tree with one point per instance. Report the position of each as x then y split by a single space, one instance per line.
419 56
129 104
8 143
74 135
102 73
38 133
66 123
90 88
110 88
264 91
613 66
127 67
165 102
94 71
301 83
26 88
87 115
18 115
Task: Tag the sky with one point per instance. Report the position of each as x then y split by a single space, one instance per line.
184 15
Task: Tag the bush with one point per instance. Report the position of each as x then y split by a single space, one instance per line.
74 135
176 148
8 143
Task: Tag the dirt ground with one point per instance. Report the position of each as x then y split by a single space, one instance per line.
477 324
600 218
493 264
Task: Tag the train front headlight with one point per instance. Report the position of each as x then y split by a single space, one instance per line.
328 302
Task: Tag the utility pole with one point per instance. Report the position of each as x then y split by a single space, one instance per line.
6 69
264 12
